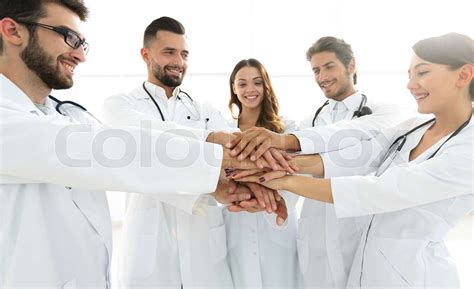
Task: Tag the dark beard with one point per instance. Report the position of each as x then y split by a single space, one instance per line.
37 60
165 79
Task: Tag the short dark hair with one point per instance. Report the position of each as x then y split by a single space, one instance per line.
342 50
162 24
452 49
32 10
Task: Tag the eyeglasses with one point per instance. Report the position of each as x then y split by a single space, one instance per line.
70 37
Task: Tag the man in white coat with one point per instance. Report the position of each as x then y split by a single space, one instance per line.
163 245
326 245
55 229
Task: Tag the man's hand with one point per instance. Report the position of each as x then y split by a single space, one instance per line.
229 192
252 206
220 137
257 140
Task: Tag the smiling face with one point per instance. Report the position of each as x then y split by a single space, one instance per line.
333 78
432 85
166 58
249 87
47 55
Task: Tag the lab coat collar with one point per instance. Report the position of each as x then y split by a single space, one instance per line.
351 103
157 91
12 96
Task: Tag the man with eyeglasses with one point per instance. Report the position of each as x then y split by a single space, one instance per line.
55 228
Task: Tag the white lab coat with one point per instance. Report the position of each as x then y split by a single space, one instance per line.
164 246
416 204
326 244
55 229
262 254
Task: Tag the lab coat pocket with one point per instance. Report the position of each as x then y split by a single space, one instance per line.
302 244
139 256
71 284
400 262
217 244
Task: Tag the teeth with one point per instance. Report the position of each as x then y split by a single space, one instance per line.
251 97
420 96
326 84
68 67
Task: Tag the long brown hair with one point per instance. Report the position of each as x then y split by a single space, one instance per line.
268 117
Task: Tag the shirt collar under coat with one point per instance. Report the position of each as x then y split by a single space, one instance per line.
351 103
12 96
157 92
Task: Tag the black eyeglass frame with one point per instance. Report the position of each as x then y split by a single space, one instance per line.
65 32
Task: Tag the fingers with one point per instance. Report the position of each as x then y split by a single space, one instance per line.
271 176
235 208
238 197
273 202
232 187
268 156
281 212
237 174
250 146
281 157
257 192
240 142
264 146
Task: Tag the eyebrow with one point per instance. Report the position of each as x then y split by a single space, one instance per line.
174 49
255 78
324 65
418 65
72 30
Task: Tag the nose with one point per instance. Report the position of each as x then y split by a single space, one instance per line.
411 84
79 54
179 60
251 88
321 76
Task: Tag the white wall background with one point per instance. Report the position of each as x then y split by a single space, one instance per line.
278 33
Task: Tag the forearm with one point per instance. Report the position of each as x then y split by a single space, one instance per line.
290 143
309 164
308 187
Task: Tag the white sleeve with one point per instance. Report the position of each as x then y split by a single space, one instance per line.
51 150
346 133
118 110
449 174
365 156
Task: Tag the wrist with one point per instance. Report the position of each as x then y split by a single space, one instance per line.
286 183
291 142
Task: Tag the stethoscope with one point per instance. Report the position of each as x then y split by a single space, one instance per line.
399 142
361 111
71 109
194 112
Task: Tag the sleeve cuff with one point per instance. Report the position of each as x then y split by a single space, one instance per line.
346 202
308 142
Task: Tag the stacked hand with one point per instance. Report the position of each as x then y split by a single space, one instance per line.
253 167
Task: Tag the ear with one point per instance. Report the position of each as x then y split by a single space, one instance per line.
465 75
352 66
233 88
145 56
12 32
